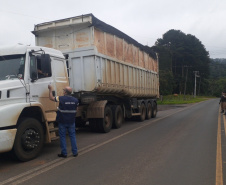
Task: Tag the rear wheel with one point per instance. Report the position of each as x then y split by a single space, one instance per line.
149 111
142 112
154 110
117 116
29 139
105 123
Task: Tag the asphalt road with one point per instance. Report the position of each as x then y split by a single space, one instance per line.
183 145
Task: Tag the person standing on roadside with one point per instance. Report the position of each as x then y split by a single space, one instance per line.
223 102
66 119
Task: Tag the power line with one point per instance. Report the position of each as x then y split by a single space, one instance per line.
26 15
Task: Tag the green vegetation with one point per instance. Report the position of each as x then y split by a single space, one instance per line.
182 57
180 99
217 78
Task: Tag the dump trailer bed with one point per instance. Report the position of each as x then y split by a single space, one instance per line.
102 59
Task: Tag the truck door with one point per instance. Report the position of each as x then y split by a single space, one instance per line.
41 76
59 75
45 70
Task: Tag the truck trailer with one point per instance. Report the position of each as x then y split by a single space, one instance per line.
113 76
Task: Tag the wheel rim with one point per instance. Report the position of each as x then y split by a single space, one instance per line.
30 139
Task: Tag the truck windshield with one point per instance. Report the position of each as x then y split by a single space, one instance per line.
12 66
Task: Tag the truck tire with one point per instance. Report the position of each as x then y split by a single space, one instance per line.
29 139
154 110
149 111
142 112
105 123
117 116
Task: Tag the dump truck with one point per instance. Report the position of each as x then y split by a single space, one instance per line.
113 76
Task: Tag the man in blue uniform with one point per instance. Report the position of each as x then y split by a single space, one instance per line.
66 119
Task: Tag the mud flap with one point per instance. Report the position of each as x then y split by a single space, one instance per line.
96 109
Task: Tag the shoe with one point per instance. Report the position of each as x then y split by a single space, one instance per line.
62 155
75 155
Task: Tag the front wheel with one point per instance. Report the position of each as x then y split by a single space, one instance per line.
29 139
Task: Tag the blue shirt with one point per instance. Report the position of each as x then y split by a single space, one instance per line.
67 109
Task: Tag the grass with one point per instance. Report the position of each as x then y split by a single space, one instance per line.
181 99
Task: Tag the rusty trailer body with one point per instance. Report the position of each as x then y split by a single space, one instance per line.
108 70
100 61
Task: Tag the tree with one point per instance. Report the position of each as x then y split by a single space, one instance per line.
166 82
217 78
182 54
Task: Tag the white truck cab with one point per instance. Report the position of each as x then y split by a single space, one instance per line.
27 114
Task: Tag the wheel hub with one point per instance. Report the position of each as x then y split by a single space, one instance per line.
30 139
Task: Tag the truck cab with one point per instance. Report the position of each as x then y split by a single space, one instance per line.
27 114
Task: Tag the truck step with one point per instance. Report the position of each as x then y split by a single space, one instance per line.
55 138
53 129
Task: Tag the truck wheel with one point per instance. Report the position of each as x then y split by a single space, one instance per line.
29 139
149 111
117 116
154 110
105 123
142 112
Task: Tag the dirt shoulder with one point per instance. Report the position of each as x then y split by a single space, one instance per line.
166 107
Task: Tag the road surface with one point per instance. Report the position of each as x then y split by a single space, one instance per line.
183 145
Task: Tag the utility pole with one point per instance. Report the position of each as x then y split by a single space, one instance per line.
185 84
199 84
196 75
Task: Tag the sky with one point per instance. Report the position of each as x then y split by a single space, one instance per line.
143 20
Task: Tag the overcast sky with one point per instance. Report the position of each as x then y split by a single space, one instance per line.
143 20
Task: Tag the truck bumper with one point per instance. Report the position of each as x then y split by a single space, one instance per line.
7 139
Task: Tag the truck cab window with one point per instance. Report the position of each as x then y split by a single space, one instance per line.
12 67
41 72
38 69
